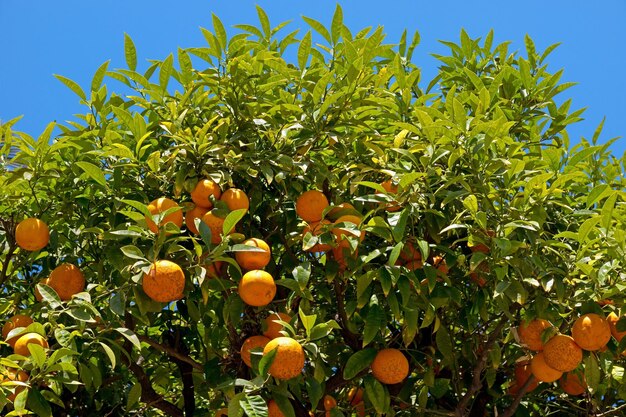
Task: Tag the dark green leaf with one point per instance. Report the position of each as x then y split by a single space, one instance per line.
358 362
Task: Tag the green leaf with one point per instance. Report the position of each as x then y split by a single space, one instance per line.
400 227
133 396
266 361
307 321
37 354
231 220
284 405
130 53
444 344
374 321
318 27
592 372
37 403
471 203
358 362
254 406
110 354
206 233
220 32
165 72
265 21
586 227
130 336
96 81
304 50
377 394
607 210
337 24
50 296
72 85
133 252
93 171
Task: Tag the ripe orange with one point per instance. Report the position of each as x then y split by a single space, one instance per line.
222 412
289 360
310 205
67 280
612 318
21 345
591 331
542 371
409 252
190 217
523 371
213 269
250 343
159 206
342 255
254 260
203 191
216 224
9 374
235 199
257 288
355 397
329 402
273 328
340 209
273 410
340 233
440 264
390 366
530 333
562 353
164 282
18 320
391 188
414 264
573 383
32 234
316 229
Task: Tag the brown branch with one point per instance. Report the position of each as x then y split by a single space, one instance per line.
186 369
351 339
518 398
461 408
171 352
616 410
150 396
9 228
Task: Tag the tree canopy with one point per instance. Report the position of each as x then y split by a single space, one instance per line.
430 244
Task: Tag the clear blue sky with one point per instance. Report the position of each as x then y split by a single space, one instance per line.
73 37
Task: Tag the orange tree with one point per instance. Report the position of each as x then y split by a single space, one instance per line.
438 217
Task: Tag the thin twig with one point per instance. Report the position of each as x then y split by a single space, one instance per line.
171 352
518 397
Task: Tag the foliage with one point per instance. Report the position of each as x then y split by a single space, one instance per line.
481 150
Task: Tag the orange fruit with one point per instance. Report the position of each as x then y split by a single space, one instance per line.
164 282
203 191
213 269
257 288
250 343
542 371
10 374
591 331
190 217
562 353
612 318
67 280
329 402
440 264
340 233
222 412
216 224
573 384
355 397
530 333
391 188
523 371
235 199
18 320
273 328
273 410
409 252
21 345
32 234
310 205
341 255
316 229
289 360
390 366
254 260
340 209
159 206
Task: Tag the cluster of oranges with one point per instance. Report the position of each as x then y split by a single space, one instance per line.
561 355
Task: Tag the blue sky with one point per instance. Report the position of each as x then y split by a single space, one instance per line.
74 37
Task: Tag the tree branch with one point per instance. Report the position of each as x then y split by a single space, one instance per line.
171 352
351 339
461 408
9 228
518 398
